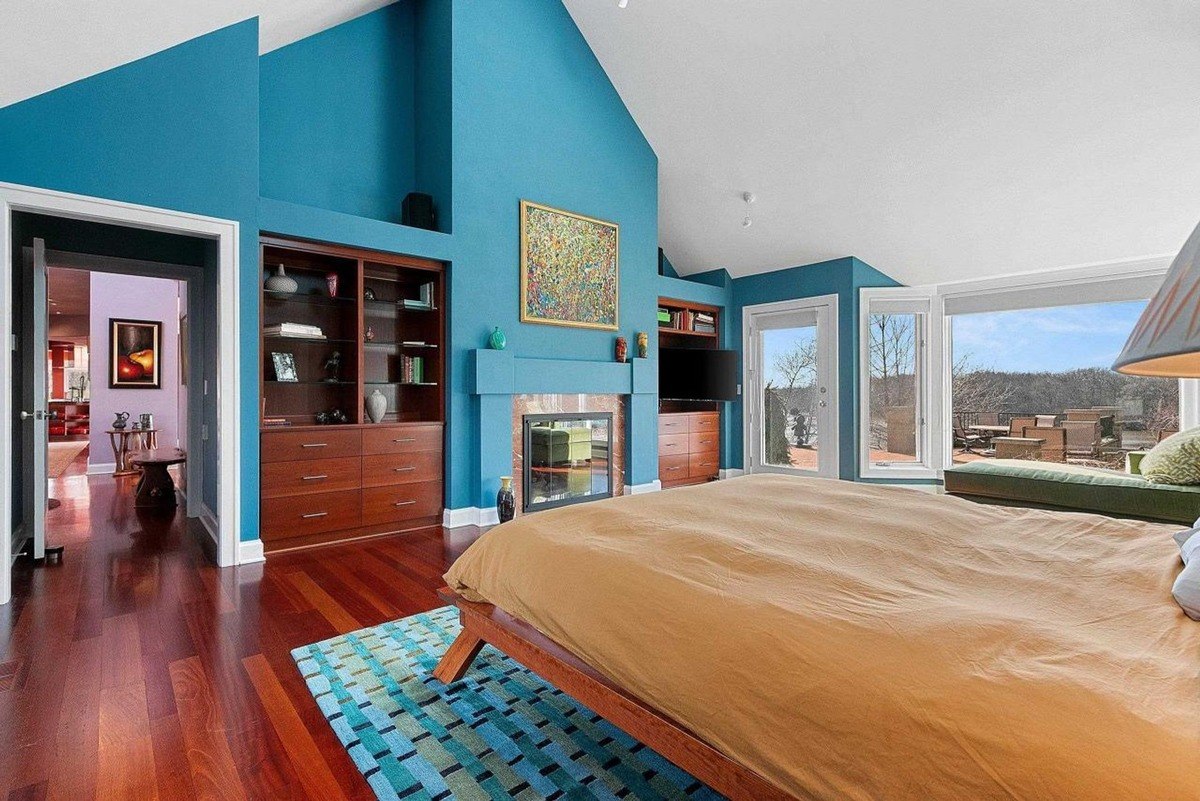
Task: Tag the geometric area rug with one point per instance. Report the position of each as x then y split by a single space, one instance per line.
499 733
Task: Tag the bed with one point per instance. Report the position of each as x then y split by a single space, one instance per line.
830 640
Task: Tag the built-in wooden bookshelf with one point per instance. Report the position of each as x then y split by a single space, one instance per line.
386 323
689 432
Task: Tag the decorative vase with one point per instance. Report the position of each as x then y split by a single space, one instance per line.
376 406
120 421
643 341
147 421
281 282
369 334
506 502
622 349
497 341
331 281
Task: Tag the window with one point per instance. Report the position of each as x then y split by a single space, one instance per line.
894 439
1036 384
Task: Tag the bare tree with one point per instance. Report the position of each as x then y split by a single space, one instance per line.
977 389
797 371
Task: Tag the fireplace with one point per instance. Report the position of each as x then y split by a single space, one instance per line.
568 458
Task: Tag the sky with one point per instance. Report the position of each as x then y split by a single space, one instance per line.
781 340
1049 340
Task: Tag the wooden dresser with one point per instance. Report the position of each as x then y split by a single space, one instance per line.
326 483
689 447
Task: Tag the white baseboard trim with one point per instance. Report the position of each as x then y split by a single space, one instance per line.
250 551
209 521
470 516
99 469
732 472
641 489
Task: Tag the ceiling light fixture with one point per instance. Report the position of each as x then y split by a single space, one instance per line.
622 3
749 198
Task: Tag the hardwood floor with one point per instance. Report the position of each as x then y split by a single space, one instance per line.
135 669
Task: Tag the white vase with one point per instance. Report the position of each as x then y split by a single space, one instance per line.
376 406
281 282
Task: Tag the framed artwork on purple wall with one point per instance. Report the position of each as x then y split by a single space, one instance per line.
134 354
569 268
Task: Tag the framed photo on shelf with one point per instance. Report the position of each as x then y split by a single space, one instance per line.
134 354
285 367
569 268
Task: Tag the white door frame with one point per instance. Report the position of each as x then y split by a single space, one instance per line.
13 198
828 355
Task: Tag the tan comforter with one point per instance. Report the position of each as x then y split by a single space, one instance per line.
857 642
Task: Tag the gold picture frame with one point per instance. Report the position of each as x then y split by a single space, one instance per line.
578 288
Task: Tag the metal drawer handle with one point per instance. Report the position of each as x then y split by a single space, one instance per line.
315 445
313 478
705 441
403 503
404 469
406 439
669 469
314 514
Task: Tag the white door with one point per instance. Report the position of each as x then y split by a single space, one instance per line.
34 413
791 379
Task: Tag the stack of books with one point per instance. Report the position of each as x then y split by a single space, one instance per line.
425 300
704 323
275 422
412 369
293 331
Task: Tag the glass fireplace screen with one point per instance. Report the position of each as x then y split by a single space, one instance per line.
567 459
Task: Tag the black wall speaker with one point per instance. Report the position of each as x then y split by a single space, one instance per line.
417 211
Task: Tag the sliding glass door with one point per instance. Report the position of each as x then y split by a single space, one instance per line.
791 387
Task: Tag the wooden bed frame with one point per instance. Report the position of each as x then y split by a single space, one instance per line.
487 624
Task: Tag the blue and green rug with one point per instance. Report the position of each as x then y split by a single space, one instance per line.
499 733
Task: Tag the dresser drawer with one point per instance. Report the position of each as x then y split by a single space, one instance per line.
703 465
401 439
672 424
707 422
291 446
672 468
704 442
401 468
281 479
300 515
672 444
401 502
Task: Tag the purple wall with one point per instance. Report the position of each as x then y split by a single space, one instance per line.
135 298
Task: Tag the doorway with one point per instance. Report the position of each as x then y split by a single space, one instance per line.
215 396
791 379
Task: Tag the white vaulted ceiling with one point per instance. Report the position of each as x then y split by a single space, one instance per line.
45 44
934 139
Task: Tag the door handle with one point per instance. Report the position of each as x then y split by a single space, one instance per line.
39 415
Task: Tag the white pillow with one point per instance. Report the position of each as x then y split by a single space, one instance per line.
1183 538
1187 587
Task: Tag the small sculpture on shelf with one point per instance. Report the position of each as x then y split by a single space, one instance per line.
622 349
333 417
333 368
331 283
497 341
368 293
369 334
643 343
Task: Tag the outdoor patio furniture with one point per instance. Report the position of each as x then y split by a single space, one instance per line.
965 438
988 432
1054 441
1104 416
1018 447
1045 420
1083 437
1166 432
988 419
1017 424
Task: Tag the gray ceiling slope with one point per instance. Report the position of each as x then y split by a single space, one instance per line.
936 140
45 44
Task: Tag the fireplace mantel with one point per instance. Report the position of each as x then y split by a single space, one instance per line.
495 376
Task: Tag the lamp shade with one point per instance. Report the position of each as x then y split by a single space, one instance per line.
1166 340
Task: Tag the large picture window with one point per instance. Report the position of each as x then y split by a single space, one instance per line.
1037 384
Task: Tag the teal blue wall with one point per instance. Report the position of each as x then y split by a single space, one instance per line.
337 119
176 130
479 103
535 117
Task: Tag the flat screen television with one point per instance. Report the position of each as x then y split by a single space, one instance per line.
697 374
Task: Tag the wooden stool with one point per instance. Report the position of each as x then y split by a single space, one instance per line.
156 488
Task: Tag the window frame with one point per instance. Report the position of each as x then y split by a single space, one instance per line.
920 302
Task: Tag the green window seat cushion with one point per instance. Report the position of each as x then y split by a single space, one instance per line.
1066 486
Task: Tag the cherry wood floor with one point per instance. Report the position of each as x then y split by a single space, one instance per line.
136 669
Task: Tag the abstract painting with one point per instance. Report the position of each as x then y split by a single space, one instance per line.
569 268
134 354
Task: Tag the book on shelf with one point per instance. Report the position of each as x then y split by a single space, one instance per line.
412 343
412 369
275 422
664 316
294 331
